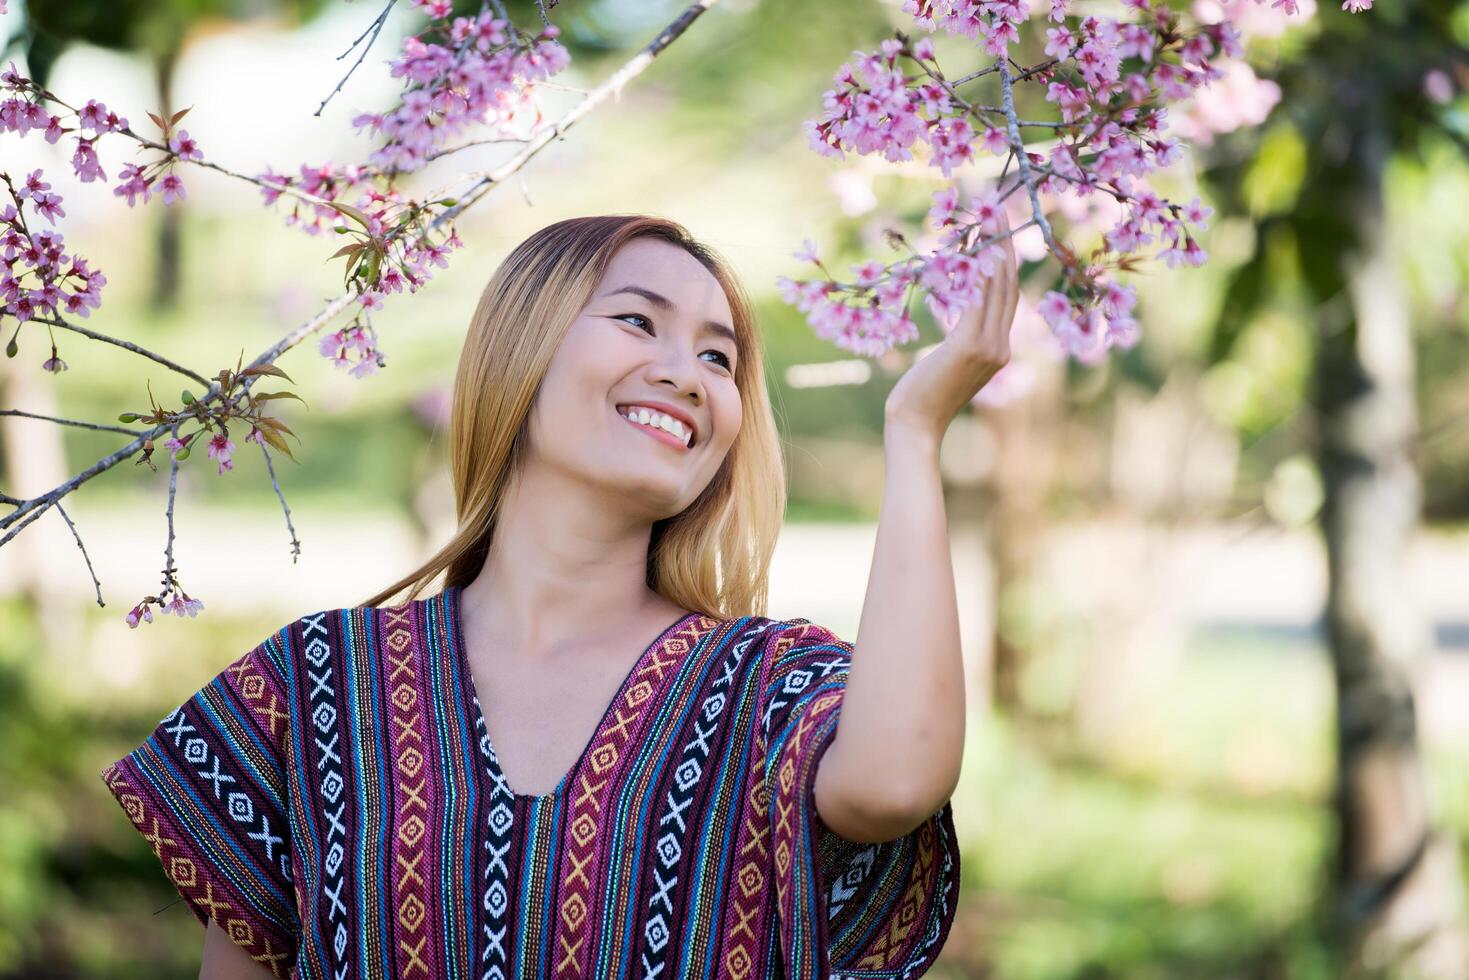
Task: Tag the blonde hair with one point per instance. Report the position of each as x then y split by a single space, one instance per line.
714 556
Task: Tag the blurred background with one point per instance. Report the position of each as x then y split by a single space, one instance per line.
1214 591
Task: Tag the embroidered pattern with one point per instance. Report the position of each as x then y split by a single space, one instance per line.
333 801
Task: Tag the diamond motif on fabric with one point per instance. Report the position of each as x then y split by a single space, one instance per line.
669 849
751 879
410 832
410 762
183 872
405 698
334 858
584 829
240 931
196 750
737 962
410 912
331 786
324 716
496 900
638 693
241 809
797 681
573 911
656 932
787 775
604 758
253 686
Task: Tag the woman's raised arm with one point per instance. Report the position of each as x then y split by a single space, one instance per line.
895 757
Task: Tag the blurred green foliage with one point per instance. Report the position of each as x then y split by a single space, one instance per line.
1157 861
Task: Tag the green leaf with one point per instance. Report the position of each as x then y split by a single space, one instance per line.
12 348
187 397
184 453
129 417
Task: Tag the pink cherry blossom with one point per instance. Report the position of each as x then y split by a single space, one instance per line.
220 448
133 184
172 187
184 146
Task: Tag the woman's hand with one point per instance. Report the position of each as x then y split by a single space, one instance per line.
938 385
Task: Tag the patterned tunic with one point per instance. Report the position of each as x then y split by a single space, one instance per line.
332 801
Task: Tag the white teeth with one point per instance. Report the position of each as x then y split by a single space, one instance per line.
659 420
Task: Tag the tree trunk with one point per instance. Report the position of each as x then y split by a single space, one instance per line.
169 270
1397 903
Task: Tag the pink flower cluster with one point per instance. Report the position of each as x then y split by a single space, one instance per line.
37 275
471 71
180 605
354 348
481 73
39 252
1108 83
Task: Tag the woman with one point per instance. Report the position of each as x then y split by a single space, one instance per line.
590 755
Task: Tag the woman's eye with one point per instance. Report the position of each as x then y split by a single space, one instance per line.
638 316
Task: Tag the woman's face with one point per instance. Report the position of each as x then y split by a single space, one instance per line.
658 329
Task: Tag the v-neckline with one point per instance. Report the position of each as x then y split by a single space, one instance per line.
461 657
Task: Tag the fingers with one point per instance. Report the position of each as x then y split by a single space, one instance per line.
1001 293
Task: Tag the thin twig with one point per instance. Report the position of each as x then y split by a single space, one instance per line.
375 28
446 151
60 421
98 585
31 510
1022 160
543 6
295 543
281 188
612 86
124 344
173 481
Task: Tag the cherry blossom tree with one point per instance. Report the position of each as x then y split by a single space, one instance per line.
1117 101
466 80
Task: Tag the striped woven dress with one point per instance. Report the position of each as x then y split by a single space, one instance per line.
332 801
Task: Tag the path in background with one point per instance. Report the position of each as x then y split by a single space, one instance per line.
1206 581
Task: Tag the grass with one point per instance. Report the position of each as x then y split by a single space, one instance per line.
1073 867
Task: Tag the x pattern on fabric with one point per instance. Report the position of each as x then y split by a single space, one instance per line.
332 800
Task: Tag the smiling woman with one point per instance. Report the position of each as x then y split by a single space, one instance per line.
590 753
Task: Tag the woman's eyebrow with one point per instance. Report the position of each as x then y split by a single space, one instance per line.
664 303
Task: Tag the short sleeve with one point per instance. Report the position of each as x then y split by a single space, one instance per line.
207 790
846 909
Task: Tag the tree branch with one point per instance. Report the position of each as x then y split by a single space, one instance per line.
612 86
59 421
98 585
375 28
56 321
295 543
